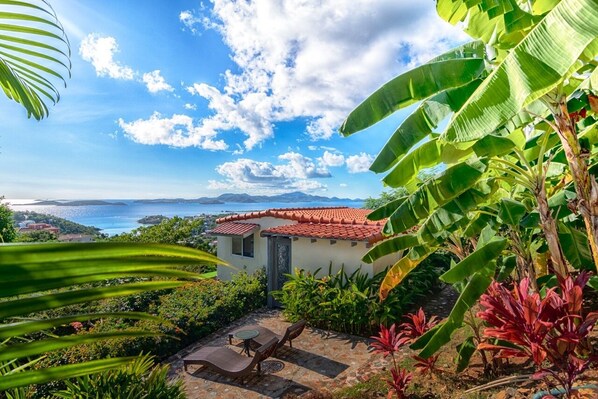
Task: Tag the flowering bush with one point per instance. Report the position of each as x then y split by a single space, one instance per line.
551 331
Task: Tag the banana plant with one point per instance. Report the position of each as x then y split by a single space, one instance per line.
39 277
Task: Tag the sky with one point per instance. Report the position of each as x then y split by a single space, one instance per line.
187 98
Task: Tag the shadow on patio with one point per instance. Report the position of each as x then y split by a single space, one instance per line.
318 360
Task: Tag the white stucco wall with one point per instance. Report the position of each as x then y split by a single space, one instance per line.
260 248
304 254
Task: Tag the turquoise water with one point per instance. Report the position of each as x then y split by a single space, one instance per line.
116 219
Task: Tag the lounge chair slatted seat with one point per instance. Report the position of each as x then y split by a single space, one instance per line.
292 332
228 362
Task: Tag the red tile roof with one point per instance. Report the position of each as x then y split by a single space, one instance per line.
348 232
234 229
333 215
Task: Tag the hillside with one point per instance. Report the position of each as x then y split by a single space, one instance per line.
65 226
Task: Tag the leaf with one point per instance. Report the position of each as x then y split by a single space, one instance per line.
386 210
410 87
421 123
402 268
25 378
22 350
465 351
511 212
540 62
476 261
470 295
22 69
434 193
390 246
27 327
575 247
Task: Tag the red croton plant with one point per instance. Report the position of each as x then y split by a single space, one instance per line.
389 341
550 330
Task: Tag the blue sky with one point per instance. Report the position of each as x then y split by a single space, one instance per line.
184 98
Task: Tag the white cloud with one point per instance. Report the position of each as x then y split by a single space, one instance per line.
191 107
332 159
297 172
342 185
176 131
312 59
155 82
359 163
99 51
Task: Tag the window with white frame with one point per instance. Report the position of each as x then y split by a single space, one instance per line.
243 246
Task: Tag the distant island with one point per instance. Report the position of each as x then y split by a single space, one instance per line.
74 203
229 198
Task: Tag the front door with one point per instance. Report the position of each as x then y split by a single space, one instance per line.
279 264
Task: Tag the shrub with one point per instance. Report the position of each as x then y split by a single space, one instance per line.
350 303
136 380
189 313
550 331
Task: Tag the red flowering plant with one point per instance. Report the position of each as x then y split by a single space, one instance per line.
389 341
549 330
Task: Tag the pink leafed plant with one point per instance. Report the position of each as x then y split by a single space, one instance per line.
549 330
390 340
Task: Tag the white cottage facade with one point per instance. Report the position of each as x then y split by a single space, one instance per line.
282 240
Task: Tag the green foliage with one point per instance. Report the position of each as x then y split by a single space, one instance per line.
34 51
349 303
65 226
385 198
41 277
137 380
186 314
37 236
8 233
180 231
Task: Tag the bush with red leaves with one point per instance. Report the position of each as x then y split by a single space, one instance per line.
549 330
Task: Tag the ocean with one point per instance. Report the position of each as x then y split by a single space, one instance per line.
116 219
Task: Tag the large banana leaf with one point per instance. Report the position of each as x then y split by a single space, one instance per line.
390 246
402 268
501 22
538 64
575 247
450 71
434 193
481 257
421 123
33 51
435 339
39 277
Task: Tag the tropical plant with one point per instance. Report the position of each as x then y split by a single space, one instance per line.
389 342
514 97
138 379
7 227
34 51
542 329
40 277
349 303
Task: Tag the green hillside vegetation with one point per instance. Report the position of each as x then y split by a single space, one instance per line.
65 226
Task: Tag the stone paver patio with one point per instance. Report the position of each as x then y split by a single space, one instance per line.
318 360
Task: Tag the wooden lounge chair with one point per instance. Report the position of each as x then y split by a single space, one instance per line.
292 332
228 362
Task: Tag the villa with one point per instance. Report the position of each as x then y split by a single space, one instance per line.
282 240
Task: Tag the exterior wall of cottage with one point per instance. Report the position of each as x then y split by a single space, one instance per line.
260 249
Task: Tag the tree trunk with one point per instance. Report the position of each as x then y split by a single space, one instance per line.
549 228
586 187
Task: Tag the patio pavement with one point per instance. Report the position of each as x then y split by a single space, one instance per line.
318 360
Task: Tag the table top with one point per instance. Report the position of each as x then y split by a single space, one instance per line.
246 334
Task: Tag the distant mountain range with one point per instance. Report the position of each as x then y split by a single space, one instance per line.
74 203
229 198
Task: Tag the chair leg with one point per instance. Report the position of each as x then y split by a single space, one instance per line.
259 367
230 339
291 343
